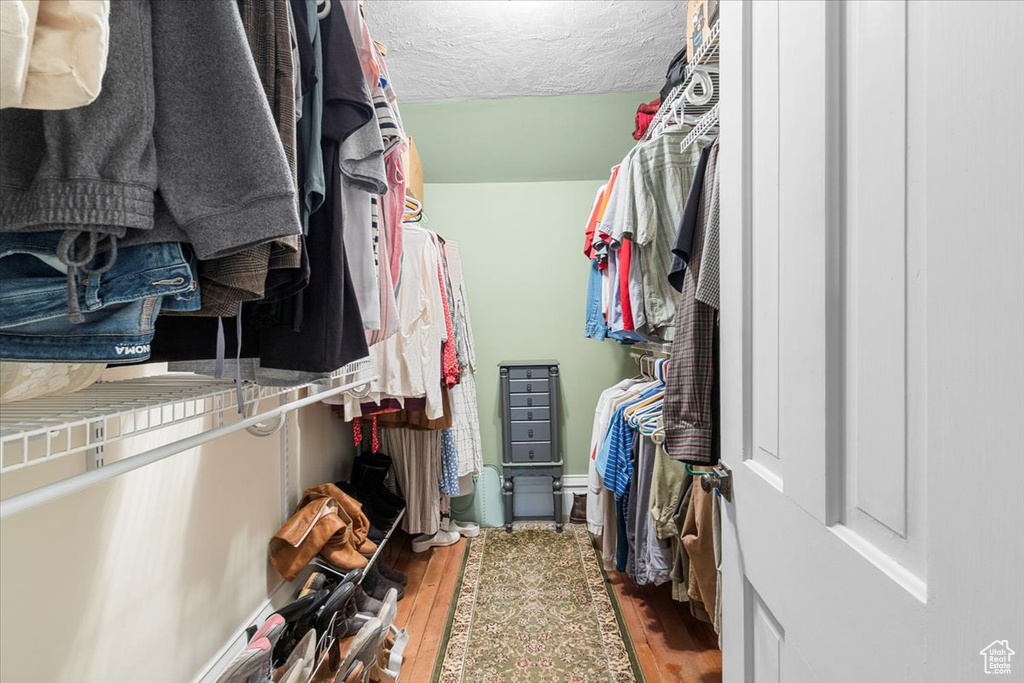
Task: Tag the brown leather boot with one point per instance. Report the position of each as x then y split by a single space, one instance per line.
360 522
354 509
340 550
304 535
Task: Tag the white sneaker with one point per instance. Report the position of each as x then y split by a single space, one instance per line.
425 542
467 529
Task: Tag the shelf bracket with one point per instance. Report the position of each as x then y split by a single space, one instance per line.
285 465
97 434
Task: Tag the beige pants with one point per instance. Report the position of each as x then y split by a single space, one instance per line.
417 457
698 539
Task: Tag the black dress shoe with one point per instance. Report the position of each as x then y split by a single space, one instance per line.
336 608
299 617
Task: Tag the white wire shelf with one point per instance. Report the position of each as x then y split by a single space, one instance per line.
662 350
46 429
707 55
704 126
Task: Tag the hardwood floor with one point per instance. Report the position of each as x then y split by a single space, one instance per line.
671 645
424 609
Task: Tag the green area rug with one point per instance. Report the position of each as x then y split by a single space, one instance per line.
534 606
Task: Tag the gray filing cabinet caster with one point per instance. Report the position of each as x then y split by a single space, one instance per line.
531 429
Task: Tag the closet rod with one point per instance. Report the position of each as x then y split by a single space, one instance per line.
66 487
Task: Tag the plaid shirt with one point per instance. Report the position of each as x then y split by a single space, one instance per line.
689 423
707 283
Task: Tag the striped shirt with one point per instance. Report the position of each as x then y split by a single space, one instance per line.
660 173
619 449
389 128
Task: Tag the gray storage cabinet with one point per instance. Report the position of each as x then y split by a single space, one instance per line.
530 429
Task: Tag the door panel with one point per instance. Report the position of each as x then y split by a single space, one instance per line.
804 198
767 639
875 264
764 152
872 320
816 588
884 301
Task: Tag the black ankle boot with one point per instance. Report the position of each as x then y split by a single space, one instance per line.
365 603
377 586
392 574
370 471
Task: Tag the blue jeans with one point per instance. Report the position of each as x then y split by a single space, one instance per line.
596 326
119 306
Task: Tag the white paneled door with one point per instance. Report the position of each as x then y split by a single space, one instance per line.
873 340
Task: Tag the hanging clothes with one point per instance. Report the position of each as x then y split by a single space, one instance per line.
409 363
417 461
229 279
653 207
689 418
363 177
465 418
652 557
698 539
165 62
327 330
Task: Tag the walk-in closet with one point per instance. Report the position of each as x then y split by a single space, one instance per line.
548 341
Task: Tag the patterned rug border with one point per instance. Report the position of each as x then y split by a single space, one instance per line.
443 646
452 648
634 660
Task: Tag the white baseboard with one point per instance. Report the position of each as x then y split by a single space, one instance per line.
283 594
533 495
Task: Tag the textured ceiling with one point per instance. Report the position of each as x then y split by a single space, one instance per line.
473 49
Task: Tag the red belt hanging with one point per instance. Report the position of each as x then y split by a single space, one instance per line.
357 433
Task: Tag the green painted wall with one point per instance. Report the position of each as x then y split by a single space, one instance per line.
526 278
523 139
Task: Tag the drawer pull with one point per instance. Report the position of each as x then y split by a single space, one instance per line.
529 401
529 414
529 387
529 374
530 432
531 455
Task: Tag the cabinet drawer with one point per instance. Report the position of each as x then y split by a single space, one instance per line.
528 386
529 414
539 372
531 452
528 400
531 431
